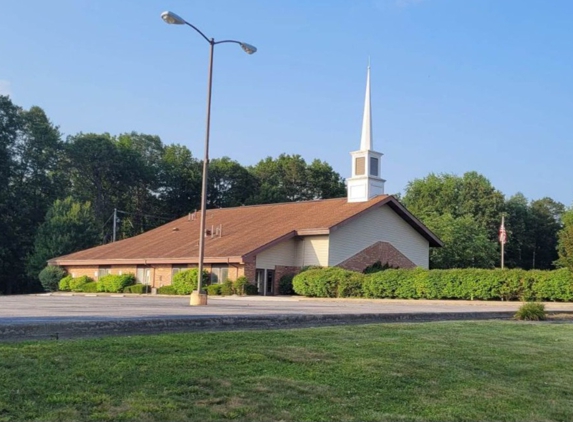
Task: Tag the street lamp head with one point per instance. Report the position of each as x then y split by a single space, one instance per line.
249 49
172 18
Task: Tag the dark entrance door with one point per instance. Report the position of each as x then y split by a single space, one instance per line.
270 282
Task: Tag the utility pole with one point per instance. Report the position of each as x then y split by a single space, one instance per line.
114 222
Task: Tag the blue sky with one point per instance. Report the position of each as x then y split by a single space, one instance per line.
457 85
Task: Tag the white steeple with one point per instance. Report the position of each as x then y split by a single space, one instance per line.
365 182
366 138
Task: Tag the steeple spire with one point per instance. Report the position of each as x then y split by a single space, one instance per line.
366 181
366 138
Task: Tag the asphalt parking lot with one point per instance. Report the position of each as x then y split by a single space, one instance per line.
67 315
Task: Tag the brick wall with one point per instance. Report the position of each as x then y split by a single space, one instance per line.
123 269
249 270
81 270
380 251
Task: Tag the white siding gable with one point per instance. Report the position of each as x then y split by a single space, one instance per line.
283 253
379 224
313 250
298 252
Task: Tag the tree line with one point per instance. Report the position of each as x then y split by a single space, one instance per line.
465 211
58 195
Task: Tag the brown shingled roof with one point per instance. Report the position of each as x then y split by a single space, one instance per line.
245 230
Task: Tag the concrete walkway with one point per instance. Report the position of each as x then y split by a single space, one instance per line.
83 315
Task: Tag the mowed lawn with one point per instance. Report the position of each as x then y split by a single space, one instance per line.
443 371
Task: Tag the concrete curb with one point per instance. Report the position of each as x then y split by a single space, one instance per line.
101 328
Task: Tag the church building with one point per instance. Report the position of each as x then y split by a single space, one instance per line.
265 242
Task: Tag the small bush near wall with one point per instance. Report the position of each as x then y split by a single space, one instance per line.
417 283
184 282
50 277
239 285
137 289
166 290
76 284
227 288
64 284
251 290
285 285
90 287
214 290
112 283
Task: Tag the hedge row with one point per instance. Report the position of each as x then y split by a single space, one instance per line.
438 284
185 282
109 283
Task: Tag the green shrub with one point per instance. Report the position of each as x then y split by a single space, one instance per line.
251 290
328 282
531 311
554 285
376 267
137 289
214 290
64 284
469 284
76 284
112 283
285 285
239 285
166 290
227 288
90 287
50 277
184 282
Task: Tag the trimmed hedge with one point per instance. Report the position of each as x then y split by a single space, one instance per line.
184 282
328 282
76 284
214 290
64 284
112 283
138 289
90 287
166 290
417 283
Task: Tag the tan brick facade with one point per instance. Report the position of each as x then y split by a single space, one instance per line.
380 251
161 275
81 270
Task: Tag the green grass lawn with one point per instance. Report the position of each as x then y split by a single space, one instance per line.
446 371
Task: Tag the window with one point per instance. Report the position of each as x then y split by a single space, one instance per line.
373 166
177 269
102 271
359 165
219 274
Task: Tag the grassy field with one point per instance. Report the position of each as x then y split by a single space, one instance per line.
449 371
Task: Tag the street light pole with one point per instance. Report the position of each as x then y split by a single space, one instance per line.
205 176
197 296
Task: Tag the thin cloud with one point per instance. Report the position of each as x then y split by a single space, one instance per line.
5 88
